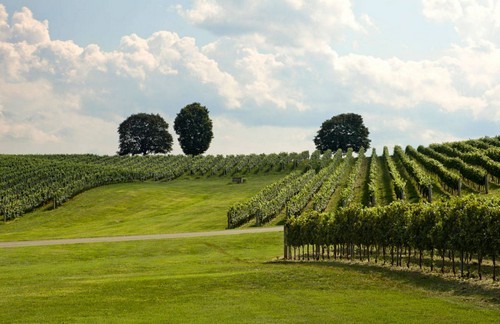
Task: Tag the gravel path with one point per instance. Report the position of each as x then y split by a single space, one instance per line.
138 237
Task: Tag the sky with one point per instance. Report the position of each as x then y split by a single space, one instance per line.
269 72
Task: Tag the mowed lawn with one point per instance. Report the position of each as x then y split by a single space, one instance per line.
220 279
224 279
182 205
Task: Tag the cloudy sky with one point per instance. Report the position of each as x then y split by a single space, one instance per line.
270 72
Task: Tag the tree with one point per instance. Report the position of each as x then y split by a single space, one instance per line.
343 131
194 127
144 134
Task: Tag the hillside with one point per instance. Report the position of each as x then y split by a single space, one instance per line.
316 181
240 278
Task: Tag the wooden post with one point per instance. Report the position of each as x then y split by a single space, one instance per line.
429 193
257 219
459 187
486 184
285 244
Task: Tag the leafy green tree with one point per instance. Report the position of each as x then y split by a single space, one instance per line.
343 131
144 134
194 127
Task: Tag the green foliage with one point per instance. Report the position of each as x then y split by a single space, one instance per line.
468 171
194 127
398 181
470 155
269 201
446 177
299 201
470 225
424 182
30 181
373 178
144 134
343 131
347 193
331 183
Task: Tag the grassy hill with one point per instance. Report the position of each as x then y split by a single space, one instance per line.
212 279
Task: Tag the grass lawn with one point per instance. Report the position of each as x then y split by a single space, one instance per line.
220 279
182 205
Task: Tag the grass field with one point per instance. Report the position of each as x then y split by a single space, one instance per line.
220 279
212 279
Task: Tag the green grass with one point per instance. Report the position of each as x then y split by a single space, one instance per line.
211 279
182 205
220 279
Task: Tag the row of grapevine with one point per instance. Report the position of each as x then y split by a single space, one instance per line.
468 172
373 182
398 181
492 141
424 182
470 155
299 201
463 228
269 201
321 199
449 180
27 182
347 193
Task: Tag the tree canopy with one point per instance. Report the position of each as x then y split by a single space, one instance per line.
194 127
144 134
343 131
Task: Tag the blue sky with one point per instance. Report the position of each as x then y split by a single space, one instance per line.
270 72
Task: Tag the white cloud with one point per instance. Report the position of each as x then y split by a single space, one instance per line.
268 63
428 136
282 23
258 72
26 28
234 137
4 25
403 84
45 83
473 20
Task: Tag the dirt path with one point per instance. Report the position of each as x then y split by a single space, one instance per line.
139 237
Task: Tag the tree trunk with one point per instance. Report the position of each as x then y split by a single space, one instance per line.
461 264
285 246
479 261
468 257
420 259
409 257
494 269
442 261
432 259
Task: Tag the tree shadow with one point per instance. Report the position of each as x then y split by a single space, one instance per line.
486 289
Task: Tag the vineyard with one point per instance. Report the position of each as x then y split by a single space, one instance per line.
31 181
414 203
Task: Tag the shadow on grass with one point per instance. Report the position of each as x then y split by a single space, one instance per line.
485 289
